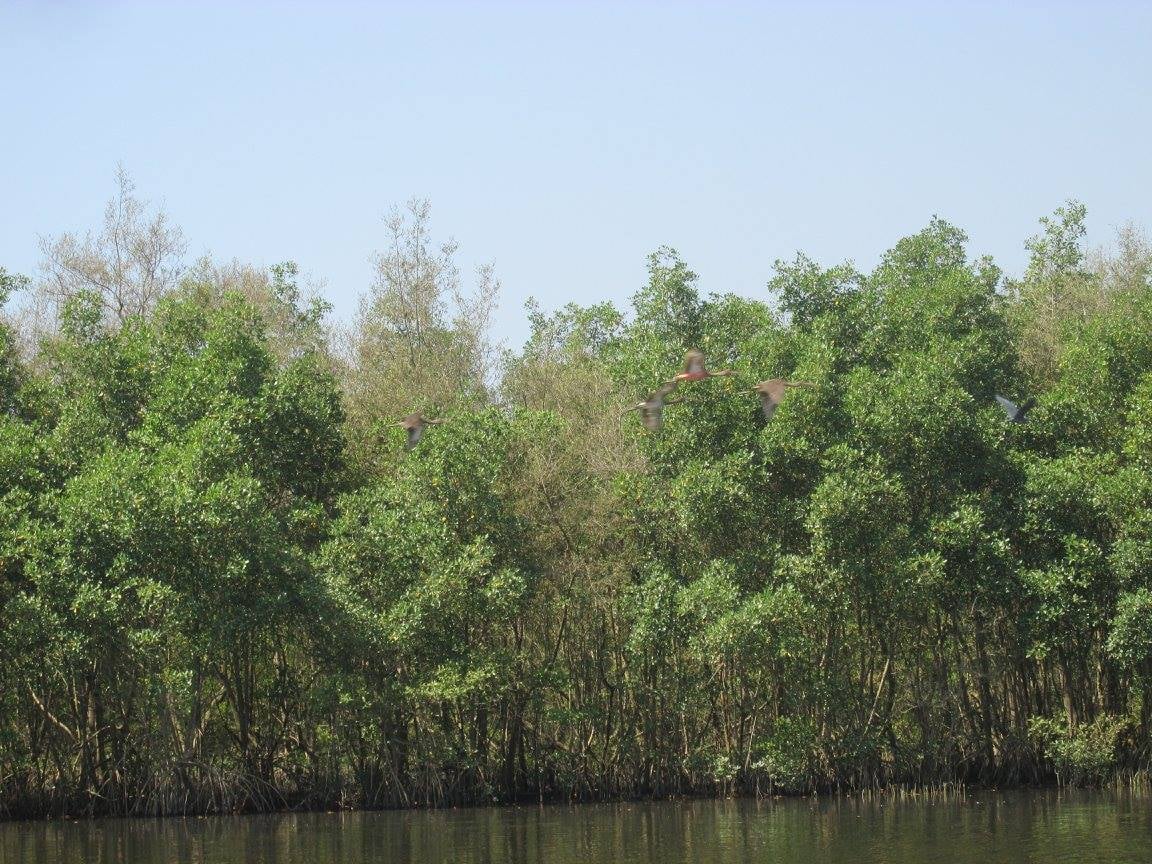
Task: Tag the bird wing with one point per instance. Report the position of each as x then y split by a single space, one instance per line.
774 387
694 361
1009 406
770 393
658 396
1028 405
414 433
653 417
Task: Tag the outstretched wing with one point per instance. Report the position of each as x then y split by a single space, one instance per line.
413 425
770 393
1010 407
653 416
415 430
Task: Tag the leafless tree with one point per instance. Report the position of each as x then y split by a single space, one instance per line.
128 264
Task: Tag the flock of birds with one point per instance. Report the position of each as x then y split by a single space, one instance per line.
771 393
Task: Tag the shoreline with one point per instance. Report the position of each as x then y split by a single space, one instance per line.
1138 787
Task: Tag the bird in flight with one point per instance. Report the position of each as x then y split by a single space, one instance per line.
1015 413
695 370
772 391
415 424
652 408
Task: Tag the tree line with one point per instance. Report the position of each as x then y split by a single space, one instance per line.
224 584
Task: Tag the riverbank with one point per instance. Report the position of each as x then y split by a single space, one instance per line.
993 827
1138 784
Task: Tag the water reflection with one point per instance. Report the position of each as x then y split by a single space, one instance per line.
981 828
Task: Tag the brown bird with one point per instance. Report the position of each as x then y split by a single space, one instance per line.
694 369
652 408
772 391
415 424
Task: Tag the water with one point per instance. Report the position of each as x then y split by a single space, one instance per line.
983 828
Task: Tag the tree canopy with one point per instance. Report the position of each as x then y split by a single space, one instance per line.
224 584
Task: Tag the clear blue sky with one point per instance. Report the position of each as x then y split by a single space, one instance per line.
564 141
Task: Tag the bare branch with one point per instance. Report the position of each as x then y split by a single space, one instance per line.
133 260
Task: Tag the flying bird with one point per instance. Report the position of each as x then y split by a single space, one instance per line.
694 369
415 424
772 391
652 408
1015 413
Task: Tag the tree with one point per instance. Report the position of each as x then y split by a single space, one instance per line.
419 342
1065 289
129 264
205 602
296 319
10 283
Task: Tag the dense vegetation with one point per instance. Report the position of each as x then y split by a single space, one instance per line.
224 584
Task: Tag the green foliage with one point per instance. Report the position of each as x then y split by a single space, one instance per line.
668 307
1057 251
1081 757
1130 633
786 755
10 377
808 293
226 584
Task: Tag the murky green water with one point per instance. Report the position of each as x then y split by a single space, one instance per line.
984 828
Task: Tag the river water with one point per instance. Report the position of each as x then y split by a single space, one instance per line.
979 828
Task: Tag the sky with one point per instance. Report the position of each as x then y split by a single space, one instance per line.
563 142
